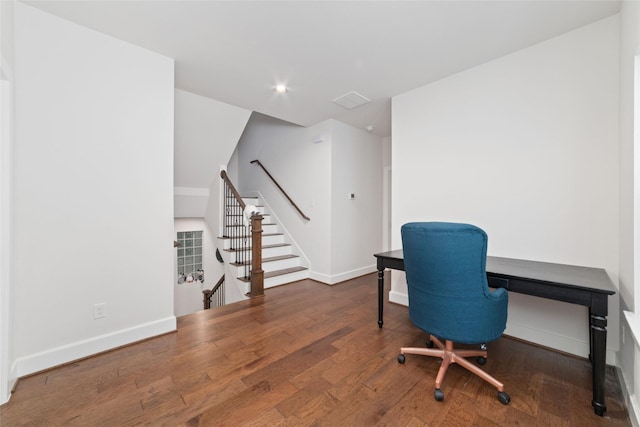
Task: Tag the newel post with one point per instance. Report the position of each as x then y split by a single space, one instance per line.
257 274
207 299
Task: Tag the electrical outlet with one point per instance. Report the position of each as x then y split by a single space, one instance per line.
99 310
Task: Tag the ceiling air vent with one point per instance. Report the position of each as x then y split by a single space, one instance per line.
351 100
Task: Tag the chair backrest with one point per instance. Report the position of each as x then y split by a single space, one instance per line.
449 297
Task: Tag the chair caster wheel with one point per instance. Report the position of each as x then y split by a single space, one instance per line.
481 360
401 359
504 398
438 394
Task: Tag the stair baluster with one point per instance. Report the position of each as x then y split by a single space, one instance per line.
245 241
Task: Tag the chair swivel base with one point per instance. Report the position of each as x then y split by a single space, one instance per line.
449 355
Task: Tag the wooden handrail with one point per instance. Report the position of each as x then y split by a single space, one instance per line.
209 293
282 190
237 196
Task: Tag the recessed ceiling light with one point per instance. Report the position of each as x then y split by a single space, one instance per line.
281 88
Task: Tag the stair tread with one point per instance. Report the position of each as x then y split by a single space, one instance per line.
269 259
268 274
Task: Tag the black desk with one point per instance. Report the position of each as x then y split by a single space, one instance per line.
585 286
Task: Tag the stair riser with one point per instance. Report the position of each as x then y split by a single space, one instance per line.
245 287
239 219
267 228
285 278
281 264
276 251
266 252
250 201
278 280
239 271
266 240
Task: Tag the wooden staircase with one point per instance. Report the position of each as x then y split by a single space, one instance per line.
280 263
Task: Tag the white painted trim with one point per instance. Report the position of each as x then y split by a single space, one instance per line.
348 275
399 298
634 325
320 277
338 278
632 408
7 71
386 208
631 401
78 350
636 179
7 377
559 342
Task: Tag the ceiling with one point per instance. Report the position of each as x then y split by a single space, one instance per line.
237 51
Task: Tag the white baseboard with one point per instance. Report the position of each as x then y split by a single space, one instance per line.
559 342
64 354
338 278
399 298
630 400
10 385
319 277
632 409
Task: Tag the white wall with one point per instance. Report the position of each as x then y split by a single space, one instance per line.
93 191
629 158
356 165
303 169
630 43
317 176
525 147
188 297
6 38
206 133
387 196
7 375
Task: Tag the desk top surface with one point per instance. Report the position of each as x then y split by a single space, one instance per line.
561 274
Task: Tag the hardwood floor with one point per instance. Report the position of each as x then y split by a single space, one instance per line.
307 354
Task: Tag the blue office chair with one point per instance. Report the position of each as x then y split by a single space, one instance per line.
449 297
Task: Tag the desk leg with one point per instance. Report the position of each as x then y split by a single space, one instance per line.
380 296
598 356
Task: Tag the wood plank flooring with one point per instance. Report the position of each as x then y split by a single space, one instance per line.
307 354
